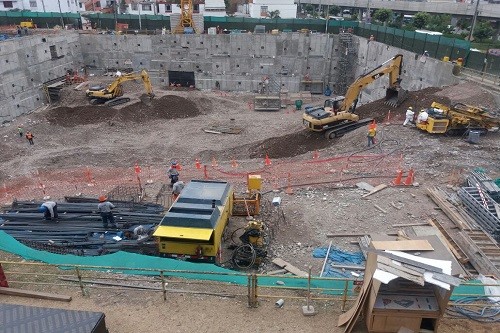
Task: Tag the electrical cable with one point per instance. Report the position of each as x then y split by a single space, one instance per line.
489 313
244 254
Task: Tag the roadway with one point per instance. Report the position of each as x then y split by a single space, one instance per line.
485 10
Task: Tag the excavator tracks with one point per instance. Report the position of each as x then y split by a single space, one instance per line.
117 101
339 130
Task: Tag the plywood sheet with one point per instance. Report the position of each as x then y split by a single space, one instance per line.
403 245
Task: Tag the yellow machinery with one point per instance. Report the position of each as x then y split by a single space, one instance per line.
28 24
111 95
254 245
337 116
186 24
249 205
458 119
193 226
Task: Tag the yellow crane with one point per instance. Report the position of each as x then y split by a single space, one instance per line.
111 95
337 116
186 24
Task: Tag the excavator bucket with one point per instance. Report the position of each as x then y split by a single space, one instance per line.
395 97
147 99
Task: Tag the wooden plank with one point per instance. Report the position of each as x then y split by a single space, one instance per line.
408 269
276 272
447 279
450 242
447 208
355 268
375 190
409 225
380 208
403 245
391 269
357 234
34 294
292 269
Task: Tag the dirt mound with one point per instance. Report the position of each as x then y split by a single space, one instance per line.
417 99
166 107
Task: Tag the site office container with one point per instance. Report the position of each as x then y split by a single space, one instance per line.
194 225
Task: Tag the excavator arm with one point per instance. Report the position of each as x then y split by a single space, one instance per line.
392 67
115 90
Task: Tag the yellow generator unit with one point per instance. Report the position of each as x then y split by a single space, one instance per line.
249 204
433 125
193 226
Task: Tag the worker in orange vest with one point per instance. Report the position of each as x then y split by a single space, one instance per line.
372 132
30 137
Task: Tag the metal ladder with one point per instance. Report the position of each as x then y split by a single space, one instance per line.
482 208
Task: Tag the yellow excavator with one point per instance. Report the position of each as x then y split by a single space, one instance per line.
457 119
337 116
112 94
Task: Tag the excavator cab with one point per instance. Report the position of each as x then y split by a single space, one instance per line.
334 104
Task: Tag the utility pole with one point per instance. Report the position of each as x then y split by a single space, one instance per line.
114 11
60 12
43 6
474 19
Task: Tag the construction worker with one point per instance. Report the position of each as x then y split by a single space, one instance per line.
105 208
49 210
177 189
30 137
409 116
372 132
422 116
173 173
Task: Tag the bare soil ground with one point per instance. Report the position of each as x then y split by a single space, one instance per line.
73 136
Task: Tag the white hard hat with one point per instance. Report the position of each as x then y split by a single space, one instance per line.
410 108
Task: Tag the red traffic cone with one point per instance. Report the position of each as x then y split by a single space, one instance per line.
234 164
315 155
197 164
397 180
410 177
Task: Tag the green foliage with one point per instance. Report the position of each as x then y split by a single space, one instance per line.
354 17
483 31
227 3
464 23
274 14
421 19
440 23
334 10
383 15
309 8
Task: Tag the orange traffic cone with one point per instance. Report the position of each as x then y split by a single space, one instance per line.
197 164
234 164
397 180
410 177
315 155
214 162
267 160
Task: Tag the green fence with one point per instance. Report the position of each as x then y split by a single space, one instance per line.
437 46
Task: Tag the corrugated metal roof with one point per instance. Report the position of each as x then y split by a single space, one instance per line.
193 208
28 319
184 233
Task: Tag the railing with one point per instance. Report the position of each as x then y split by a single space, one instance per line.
481 76
35 276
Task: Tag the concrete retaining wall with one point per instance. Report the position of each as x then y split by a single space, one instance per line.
26 63
238 62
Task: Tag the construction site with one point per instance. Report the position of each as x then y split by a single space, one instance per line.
307 205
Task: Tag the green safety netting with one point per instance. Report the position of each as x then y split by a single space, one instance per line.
132 263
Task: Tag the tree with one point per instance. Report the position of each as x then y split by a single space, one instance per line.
334 10
440 22
383 15
274 14
483 31
309 9
421 19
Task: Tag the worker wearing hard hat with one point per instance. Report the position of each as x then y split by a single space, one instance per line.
105 208
173 173
49 210
177 189
422 116
409 116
